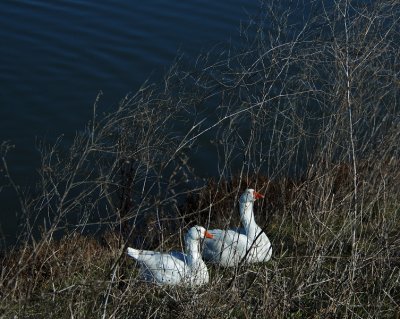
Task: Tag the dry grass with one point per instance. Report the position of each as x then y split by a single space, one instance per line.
308 276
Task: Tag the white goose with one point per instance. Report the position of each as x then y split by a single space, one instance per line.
175 268
230 247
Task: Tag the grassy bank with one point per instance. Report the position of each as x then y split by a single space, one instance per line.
314 271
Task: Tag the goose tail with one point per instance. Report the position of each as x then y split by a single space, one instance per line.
134 253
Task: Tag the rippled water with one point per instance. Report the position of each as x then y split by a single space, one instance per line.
57 55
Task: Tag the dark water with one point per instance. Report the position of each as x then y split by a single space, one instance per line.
57 55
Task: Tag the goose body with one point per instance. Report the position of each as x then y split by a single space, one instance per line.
250 244
175 268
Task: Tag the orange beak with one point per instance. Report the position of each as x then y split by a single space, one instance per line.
208 235
258 195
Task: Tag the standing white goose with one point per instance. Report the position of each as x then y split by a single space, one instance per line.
175 268
230 247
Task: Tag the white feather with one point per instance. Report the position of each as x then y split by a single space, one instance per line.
230 247
174 268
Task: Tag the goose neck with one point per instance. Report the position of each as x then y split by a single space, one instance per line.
192 250
247 217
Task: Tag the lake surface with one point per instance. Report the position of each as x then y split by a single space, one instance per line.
57 55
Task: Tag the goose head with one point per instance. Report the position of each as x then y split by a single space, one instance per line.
250 196
246 202
197 233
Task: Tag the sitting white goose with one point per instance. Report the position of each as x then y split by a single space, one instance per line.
250 243
175 268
